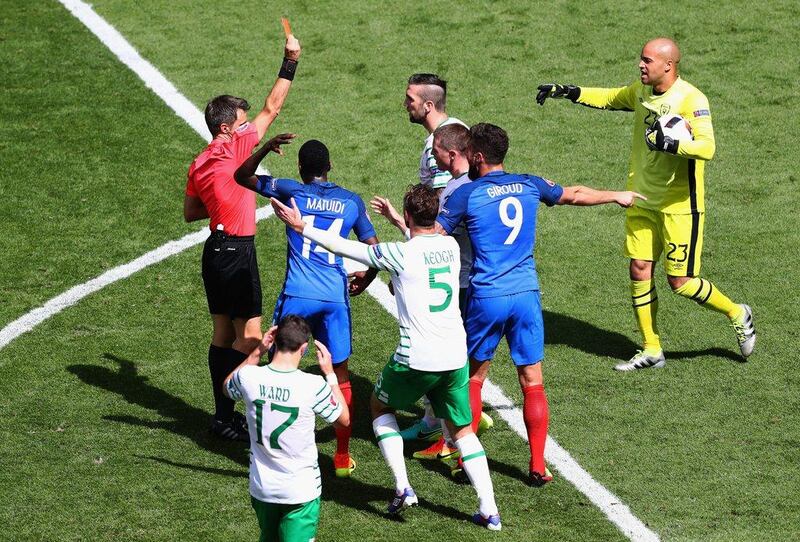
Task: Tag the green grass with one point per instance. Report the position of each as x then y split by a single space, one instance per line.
105 405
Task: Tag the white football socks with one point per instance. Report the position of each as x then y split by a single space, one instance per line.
477 469
391 444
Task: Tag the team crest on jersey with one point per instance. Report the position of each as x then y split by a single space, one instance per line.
702 113
664 109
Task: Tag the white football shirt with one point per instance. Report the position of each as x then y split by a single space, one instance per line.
424 272
280 408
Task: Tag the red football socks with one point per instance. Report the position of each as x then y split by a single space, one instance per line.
536 415
475 402
343 433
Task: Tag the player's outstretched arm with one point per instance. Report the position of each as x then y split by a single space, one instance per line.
326 367
583 195
554 90
384 207
332 242
246 174
276 97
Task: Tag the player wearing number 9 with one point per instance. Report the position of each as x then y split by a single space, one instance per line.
316 285
499 210
280 405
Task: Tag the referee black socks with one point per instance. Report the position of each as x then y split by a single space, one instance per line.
221 362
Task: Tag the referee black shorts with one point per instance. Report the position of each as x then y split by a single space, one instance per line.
230 276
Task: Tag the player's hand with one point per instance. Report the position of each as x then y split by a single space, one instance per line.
268 340
274 144
324 358
292 48
288 215
628 198
384 207
359 281
657 141
554 90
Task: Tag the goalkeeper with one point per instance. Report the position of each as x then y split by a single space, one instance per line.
669 173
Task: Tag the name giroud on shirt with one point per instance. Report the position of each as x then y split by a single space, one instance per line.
503 189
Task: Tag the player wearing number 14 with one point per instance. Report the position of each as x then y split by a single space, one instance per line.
316 287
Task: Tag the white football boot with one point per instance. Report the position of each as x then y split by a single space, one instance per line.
642 361
745 332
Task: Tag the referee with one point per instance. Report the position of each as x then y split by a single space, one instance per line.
670 174
230 270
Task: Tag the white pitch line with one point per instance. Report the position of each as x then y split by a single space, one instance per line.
616 511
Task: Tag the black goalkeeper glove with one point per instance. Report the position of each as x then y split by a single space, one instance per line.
657 141
554 90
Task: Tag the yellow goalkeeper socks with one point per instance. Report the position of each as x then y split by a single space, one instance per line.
702 291
645 307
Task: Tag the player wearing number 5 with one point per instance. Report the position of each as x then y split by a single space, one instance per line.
280 404
670 173
316 286
431 357
499 210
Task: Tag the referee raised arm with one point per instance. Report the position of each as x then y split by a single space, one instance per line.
230 269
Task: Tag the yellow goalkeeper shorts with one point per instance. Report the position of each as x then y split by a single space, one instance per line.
648 233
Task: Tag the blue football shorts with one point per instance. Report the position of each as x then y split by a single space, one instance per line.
330 322
518 317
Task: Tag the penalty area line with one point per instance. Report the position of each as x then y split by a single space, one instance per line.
608 503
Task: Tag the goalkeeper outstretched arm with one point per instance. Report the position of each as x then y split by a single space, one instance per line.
620 99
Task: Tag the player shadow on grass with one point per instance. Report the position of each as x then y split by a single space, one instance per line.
182 418
586 337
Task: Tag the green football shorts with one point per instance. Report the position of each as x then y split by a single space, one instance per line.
400 386
287 522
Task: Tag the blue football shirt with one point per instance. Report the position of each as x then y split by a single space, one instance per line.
499 210
311 271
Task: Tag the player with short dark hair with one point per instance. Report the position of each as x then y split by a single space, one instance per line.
499 210
281 402
316 285
671 174
230 268
430 358
426 101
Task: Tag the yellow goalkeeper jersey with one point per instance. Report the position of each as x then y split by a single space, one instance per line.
672 183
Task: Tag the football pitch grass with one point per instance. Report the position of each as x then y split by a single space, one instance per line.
105 406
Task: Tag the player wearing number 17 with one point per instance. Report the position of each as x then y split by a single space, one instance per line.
670 173
280 404
499 210
316 287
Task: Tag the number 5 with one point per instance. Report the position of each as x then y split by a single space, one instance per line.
435 285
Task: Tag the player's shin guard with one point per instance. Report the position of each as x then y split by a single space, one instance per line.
221 363
706 295
536 414
477 469
343 433
645 308
475 402
391 444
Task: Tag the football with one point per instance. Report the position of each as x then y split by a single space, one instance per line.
676 127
